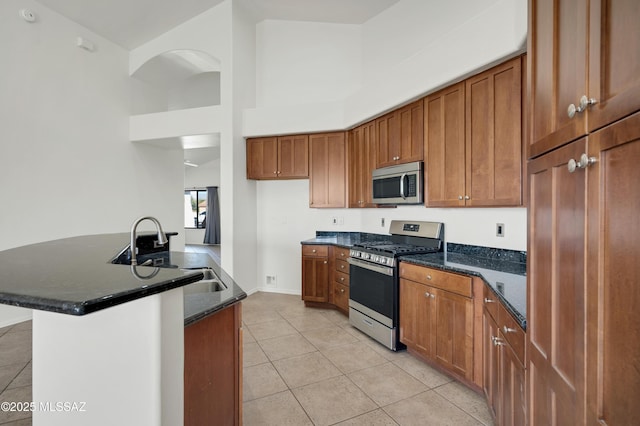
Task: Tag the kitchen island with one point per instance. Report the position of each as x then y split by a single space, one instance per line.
108 339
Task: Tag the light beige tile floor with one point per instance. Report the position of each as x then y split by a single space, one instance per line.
15 371
302 366
308 366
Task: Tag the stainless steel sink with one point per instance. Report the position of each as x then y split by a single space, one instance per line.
209 284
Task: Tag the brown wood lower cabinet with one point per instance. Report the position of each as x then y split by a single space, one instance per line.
503 364
213 369
436 321
315 273
556 288
340 282
325 277
613 275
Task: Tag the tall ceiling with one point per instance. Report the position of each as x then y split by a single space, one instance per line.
131 23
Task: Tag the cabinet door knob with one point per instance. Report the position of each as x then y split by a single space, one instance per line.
325 262
459 197
497 341
427 294
584 103
466 197
584 162
342 290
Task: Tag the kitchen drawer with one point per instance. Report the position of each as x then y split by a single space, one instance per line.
315 250
448 281
490 302
342 266
341 296
341 253
342 278
512 331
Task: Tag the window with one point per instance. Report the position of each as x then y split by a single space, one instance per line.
195 208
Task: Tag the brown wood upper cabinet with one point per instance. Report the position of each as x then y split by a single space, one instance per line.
473 140
328 170
584 68
362 162
283 157
399 136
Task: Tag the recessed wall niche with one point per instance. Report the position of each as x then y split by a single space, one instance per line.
176 80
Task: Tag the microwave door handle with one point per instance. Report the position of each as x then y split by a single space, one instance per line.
404 175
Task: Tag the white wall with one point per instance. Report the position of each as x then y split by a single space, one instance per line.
306 62
280 230
405 52
67 166
227 33
235 186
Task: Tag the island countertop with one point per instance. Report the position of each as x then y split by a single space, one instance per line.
74 276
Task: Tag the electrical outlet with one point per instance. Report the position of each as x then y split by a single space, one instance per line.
499 229
334 220
382 222
271 280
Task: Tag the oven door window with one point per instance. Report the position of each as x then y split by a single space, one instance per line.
373 290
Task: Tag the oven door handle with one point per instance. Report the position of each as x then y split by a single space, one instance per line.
366 265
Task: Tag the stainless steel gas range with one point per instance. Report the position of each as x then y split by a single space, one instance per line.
374 281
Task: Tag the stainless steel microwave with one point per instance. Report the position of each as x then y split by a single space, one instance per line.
401 184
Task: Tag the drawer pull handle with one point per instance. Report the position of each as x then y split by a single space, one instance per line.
313 251
429 277
487 300
325 262
342 279
342 290
341 266
506 330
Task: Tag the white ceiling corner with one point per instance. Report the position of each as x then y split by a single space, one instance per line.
131 23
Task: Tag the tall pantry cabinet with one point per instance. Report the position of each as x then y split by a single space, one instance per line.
583 336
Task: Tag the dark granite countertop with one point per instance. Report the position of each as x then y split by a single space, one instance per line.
506 278
199 303
343 239
74 276
504 271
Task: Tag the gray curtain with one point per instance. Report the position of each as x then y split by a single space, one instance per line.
212 228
